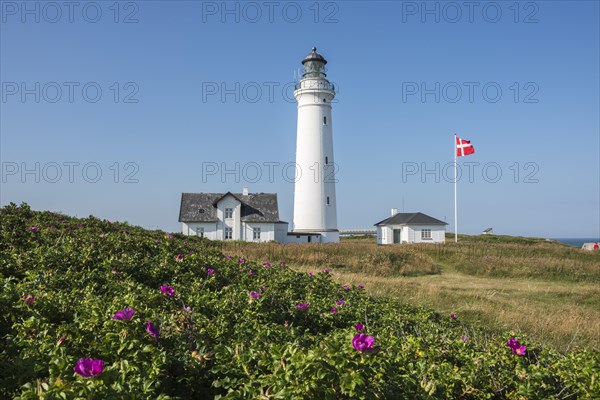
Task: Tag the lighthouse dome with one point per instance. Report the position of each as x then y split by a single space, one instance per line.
314 56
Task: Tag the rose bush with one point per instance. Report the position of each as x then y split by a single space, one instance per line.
116 313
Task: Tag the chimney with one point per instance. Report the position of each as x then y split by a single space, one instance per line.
245 191
394 211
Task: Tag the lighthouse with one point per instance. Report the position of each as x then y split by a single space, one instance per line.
314 192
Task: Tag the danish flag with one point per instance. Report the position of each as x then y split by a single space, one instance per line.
464 147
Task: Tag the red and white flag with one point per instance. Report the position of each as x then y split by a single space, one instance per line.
464 147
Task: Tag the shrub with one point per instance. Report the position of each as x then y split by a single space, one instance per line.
207 336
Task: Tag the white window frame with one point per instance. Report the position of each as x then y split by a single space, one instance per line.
228 234
256 233
228 213
426 234
200 231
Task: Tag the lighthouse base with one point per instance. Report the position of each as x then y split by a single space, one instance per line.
304 236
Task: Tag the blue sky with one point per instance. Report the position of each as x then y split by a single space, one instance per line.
152 94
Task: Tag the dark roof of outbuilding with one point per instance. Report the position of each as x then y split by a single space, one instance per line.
411 219
201 207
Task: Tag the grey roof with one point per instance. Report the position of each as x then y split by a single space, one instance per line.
202 207
411 219
314 56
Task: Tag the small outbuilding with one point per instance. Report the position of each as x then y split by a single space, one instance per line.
410 228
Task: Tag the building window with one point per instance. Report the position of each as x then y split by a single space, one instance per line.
328 200
324 120
326 160
229 213
256 234
200 232
425 234
228 233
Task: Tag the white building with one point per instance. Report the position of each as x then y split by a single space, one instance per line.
315 215
251 217
410 228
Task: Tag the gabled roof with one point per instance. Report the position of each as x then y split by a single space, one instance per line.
202 207
411 219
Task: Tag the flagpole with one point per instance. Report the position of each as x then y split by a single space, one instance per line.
455 196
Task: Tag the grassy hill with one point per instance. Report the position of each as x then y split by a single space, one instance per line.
226 327
544 288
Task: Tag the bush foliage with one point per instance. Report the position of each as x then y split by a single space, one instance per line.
64 278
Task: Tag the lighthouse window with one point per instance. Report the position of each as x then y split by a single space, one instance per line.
324 100
324 120
326 160
327 200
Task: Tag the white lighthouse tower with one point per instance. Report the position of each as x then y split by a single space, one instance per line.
314 195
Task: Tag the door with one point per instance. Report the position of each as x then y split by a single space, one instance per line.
397 235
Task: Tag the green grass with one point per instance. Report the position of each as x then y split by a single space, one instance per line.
545 288
218 340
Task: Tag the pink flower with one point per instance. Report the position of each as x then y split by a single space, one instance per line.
179 257
186 308
340 302
346 287
453 316
464 338
516 347
281 263
333 310
152 330
228 257
241 260
310 274
124 315
326 271
33 228
302 306
266 264
250 272
170 236
168 291
29 299
362 342
210 271
261 288
88 367
359 327
360 287
254 295
520 351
